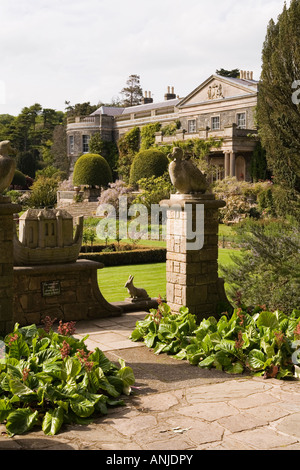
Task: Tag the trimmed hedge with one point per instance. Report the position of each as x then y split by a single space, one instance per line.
123 258
92 169
19 179
148 163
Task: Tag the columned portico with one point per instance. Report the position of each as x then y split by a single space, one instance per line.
227 164
232 164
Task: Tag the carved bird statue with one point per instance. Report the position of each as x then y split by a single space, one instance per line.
185 176
7 165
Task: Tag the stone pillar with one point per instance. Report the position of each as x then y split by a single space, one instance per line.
192 271
232 164
227 164
7 209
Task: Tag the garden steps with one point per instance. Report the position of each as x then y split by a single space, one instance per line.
76 209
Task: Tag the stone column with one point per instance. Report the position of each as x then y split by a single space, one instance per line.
232 164
227 164
192 271
7 209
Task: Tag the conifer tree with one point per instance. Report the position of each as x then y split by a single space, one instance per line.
133 92
278 116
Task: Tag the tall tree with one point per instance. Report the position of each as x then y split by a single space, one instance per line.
278 115
234 73
133 92
80 109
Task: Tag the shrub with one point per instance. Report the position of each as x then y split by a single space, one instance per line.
269 272
242 198
154 189
125 258
148 163
19 180
148 135
128 146
107 149
112 194
43 193
14 195
91 170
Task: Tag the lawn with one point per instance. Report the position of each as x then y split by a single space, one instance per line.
151 277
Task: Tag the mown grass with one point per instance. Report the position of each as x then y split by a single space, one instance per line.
151 277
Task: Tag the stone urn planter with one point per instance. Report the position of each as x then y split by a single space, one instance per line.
91 194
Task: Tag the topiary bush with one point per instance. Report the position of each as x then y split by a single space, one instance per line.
92 169
19 180
148 163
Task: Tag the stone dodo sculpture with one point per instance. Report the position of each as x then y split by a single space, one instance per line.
7 165
184 175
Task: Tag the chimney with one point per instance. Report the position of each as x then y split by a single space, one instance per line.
147 98
170 95
246 75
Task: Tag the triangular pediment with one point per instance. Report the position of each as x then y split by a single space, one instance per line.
217 87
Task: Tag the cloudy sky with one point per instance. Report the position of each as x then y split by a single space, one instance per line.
84 50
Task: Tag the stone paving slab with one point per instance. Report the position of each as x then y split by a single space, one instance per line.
177 406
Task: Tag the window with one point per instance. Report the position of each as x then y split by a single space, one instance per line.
71 144
215 123
192 126
241 120
85 143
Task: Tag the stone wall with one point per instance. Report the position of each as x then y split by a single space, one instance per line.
6 263
68 292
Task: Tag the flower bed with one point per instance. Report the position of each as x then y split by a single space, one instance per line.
255 340
49 378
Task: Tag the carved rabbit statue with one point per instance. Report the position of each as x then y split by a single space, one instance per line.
135 292
7 165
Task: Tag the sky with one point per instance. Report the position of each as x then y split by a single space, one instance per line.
52 51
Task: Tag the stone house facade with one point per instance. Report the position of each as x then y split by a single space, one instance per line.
220 107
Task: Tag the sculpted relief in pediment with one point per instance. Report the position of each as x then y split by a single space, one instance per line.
215 91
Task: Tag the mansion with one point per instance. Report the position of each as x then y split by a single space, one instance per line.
220 107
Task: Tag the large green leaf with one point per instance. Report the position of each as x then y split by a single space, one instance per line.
236 368
72 367
256 359
5 409
19 348
267 319
150 339
222 358
18 388
82 407
21 421
207 362
53 421
104 384
137 334
47 356
29 331
207 344
53 369
99 357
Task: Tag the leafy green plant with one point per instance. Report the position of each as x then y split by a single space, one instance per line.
49 378
268 272
43 193
255 341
